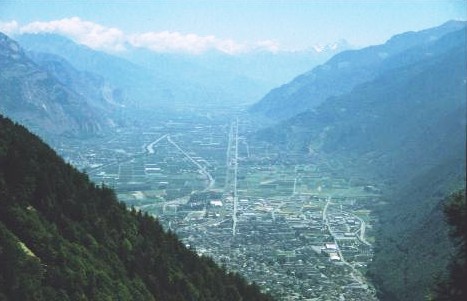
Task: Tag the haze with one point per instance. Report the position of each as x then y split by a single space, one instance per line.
229 26
233 150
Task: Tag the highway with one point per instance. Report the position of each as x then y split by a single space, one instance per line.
150 146
201 168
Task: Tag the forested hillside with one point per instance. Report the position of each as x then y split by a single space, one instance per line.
65 238
400 124
452 287
348 69
404 129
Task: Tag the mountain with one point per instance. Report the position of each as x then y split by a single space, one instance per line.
97 90
199 79
266 68
149 78
138 84
393 120
64 238
452 286
405 129
38 99
270 68
348 69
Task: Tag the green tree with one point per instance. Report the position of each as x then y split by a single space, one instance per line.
454 288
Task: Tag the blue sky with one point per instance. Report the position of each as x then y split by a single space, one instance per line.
231 26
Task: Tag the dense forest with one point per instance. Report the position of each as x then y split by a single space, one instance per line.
452 286
63 237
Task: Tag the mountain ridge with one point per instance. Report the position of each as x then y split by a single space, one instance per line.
212 77
406 130
97 90
35 97
343 72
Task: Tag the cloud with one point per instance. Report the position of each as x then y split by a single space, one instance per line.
9 27
176 42
84 32
99 37
268 45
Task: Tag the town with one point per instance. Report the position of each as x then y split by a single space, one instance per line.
292 224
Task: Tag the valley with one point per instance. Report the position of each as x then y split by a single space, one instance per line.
335 185
301 230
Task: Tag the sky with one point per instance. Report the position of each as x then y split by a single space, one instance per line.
229 26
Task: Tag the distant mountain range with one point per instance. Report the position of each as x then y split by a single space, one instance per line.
161 79
348 69
44 98
92 86
419 101
56 86
134 81
264 67
397 113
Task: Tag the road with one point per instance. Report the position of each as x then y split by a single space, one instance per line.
355 274
150 146
201 168
361 237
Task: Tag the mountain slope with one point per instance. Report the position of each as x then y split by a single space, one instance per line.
413 249
407 129
397 122
97 91
453 286
147 79
262 68
83 58
35 97
138 84
348 69
64 238
151 78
